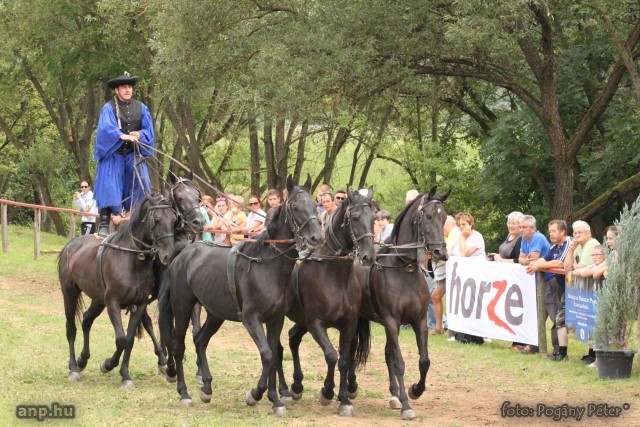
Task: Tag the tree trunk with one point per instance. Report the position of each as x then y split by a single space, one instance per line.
43 187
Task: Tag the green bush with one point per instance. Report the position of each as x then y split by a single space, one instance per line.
618 306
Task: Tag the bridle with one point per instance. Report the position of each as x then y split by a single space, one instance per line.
148 249
180 224
291 219
332 242
422 245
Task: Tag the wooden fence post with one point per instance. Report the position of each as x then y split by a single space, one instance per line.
72 226
541 286
37 219
5 227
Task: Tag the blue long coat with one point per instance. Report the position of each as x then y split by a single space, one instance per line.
121 180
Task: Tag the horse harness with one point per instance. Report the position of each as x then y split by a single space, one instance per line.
409 265
150 252
232 259
334 246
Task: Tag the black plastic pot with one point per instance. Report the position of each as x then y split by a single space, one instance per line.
614 364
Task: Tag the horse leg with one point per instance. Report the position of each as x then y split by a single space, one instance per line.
273 338
135 317
319 333
283 388
395 364
267 353
157 347
352 383
115 315
71 296
92 313
195 329
182 309
295 338
422 337
201 342
345 362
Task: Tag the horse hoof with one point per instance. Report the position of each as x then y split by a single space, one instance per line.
410 393
127 385
199 379
408 414
346 410
279 411
248 398
186 402
296 396
74 377
103 367
206 398
352 395
394 403
323 400
162 370
171 380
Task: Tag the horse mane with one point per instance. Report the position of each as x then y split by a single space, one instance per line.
136 212
400 218
272 226
253 249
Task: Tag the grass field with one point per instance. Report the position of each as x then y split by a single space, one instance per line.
466 384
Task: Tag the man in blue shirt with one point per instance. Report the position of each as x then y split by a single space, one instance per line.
554 297
122 178
534 244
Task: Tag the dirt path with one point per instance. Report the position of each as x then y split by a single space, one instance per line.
459 392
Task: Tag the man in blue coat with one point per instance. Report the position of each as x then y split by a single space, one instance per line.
122 178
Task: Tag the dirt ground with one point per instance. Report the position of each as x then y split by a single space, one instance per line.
450 400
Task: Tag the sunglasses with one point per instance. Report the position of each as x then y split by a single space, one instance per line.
219 199
254 203
340 198
84 186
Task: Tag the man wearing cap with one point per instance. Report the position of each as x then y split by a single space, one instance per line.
122 178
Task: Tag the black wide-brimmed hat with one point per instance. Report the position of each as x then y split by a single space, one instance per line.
125 79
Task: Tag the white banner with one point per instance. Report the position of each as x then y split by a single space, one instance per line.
491 299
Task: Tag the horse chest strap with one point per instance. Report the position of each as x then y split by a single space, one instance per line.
231 279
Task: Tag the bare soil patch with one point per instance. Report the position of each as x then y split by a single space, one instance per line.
459 392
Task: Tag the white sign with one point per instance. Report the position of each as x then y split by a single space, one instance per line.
491 299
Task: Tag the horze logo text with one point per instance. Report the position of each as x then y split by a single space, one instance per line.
463 300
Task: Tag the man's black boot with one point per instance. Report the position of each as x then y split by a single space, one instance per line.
103 227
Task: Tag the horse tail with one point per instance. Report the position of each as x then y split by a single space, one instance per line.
165 312
363 345
63 276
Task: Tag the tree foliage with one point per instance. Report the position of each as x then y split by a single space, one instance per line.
527 105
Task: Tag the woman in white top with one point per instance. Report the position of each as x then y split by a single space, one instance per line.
470 242
83 201
256 218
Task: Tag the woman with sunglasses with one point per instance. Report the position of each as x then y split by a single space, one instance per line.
256 218
83 201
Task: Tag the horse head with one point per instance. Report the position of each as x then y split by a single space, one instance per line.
358 222
159 218
186 199
432 217
301 215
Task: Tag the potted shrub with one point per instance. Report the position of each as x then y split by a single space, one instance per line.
619 299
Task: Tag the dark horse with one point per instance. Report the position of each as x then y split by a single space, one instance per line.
324 300
116 273
396 289
248 282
